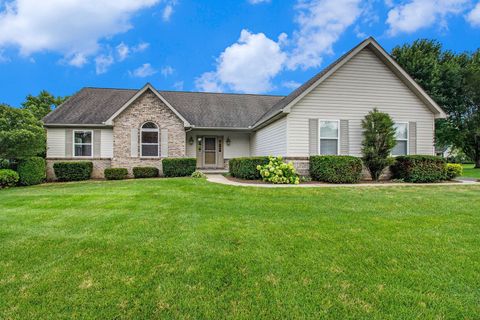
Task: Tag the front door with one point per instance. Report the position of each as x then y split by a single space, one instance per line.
210 152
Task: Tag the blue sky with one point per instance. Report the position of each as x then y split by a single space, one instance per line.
252 46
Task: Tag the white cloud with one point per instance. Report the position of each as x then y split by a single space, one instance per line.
122 51
291 84
72 27
258 1
321 23
474 16
146 70
417 14
178 85
103 62
246 66
167 71
3 57
168 10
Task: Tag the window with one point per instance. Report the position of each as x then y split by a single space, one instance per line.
82 143
150 140
329 131
401 137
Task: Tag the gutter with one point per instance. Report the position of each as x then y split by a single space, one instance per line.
69 125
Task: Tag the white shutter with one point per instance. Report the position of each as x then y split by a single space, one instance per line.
134 143
164 143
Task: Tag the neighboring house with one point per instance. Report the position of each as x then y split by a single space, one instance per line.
128 128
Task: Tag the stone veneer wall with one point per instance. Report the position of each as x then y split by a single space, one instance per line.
98 166
148 107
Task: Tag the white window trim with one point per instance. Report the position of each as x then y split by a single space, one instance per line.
320 135
73 144
407 139
157 130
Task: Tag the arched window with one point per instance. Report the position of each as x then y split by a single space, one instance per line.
150 144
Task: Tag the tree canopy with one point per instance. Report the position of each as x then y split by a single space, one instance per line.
453 81
42 104
21 133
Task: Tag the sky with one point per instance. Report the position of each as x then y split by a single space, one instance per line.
241 46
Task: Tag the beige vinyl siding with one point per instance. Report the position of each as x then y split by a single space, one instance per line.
239 143
349 94
106 143
272 139
55 143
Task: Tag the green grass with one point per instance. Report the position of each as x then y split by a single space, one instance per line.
189 249
470 172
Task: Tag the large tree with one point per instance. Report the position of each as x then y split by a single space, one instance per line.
449 78
21 134
42 104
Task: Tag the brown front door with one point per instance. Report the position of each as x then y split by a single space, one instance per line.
210 152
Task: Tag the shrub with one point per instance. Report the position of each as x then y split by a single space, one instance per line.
277 171
246 168
31 171
145 172
419 168
8 178
73 171
115 173
4 164
453 170
336 169
198 174
179 167
378 142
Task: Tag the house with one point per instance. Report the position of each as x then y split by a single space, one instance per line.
128 128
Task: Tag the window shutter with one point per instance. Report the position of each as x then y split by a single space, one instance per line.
97 134
134 143
164 143
68 143
412 137
313 136
344 138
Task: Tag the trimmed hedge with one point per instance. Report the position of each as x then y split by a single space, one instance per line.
246 168
453 170
115 173
73 171
8 178
336 169
145 172
419 168
179 167
31 171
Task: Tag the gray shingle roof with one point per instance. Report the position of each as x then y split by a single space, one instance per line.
96 105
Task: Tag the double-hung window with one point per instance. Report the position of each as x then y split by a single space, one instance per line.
150 140
329 137
82 143
401 137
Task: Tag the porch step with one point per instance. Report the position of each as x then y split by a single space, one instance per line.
213 171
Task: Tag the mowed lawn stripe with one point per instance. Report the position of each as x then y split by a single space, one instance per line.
186 248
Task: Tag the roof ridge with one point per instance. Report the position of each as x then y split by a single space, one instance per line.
100 88
225 93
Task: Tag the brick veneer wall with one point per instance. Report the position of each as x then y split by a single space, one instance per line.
148 107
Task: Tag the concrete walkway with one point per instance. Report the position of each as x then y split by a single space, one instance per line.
219 178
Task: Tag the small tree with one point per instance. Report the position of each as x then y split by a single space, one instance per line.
21 134
378 142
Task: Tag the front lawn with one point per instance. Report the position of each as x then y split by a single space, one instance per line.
189 249
470 172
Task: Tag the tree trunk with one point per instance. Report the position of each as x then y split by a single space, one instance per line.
477 163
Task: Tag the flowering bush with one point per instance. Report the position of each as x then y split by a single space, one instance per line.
277 171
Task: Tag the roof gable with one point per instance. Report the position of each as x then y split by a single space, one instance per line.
289 101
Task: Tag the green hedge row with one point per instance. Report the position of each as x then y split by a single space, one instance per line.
73 171
145 172
419 168
246 168
179 167
115 173
336 169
